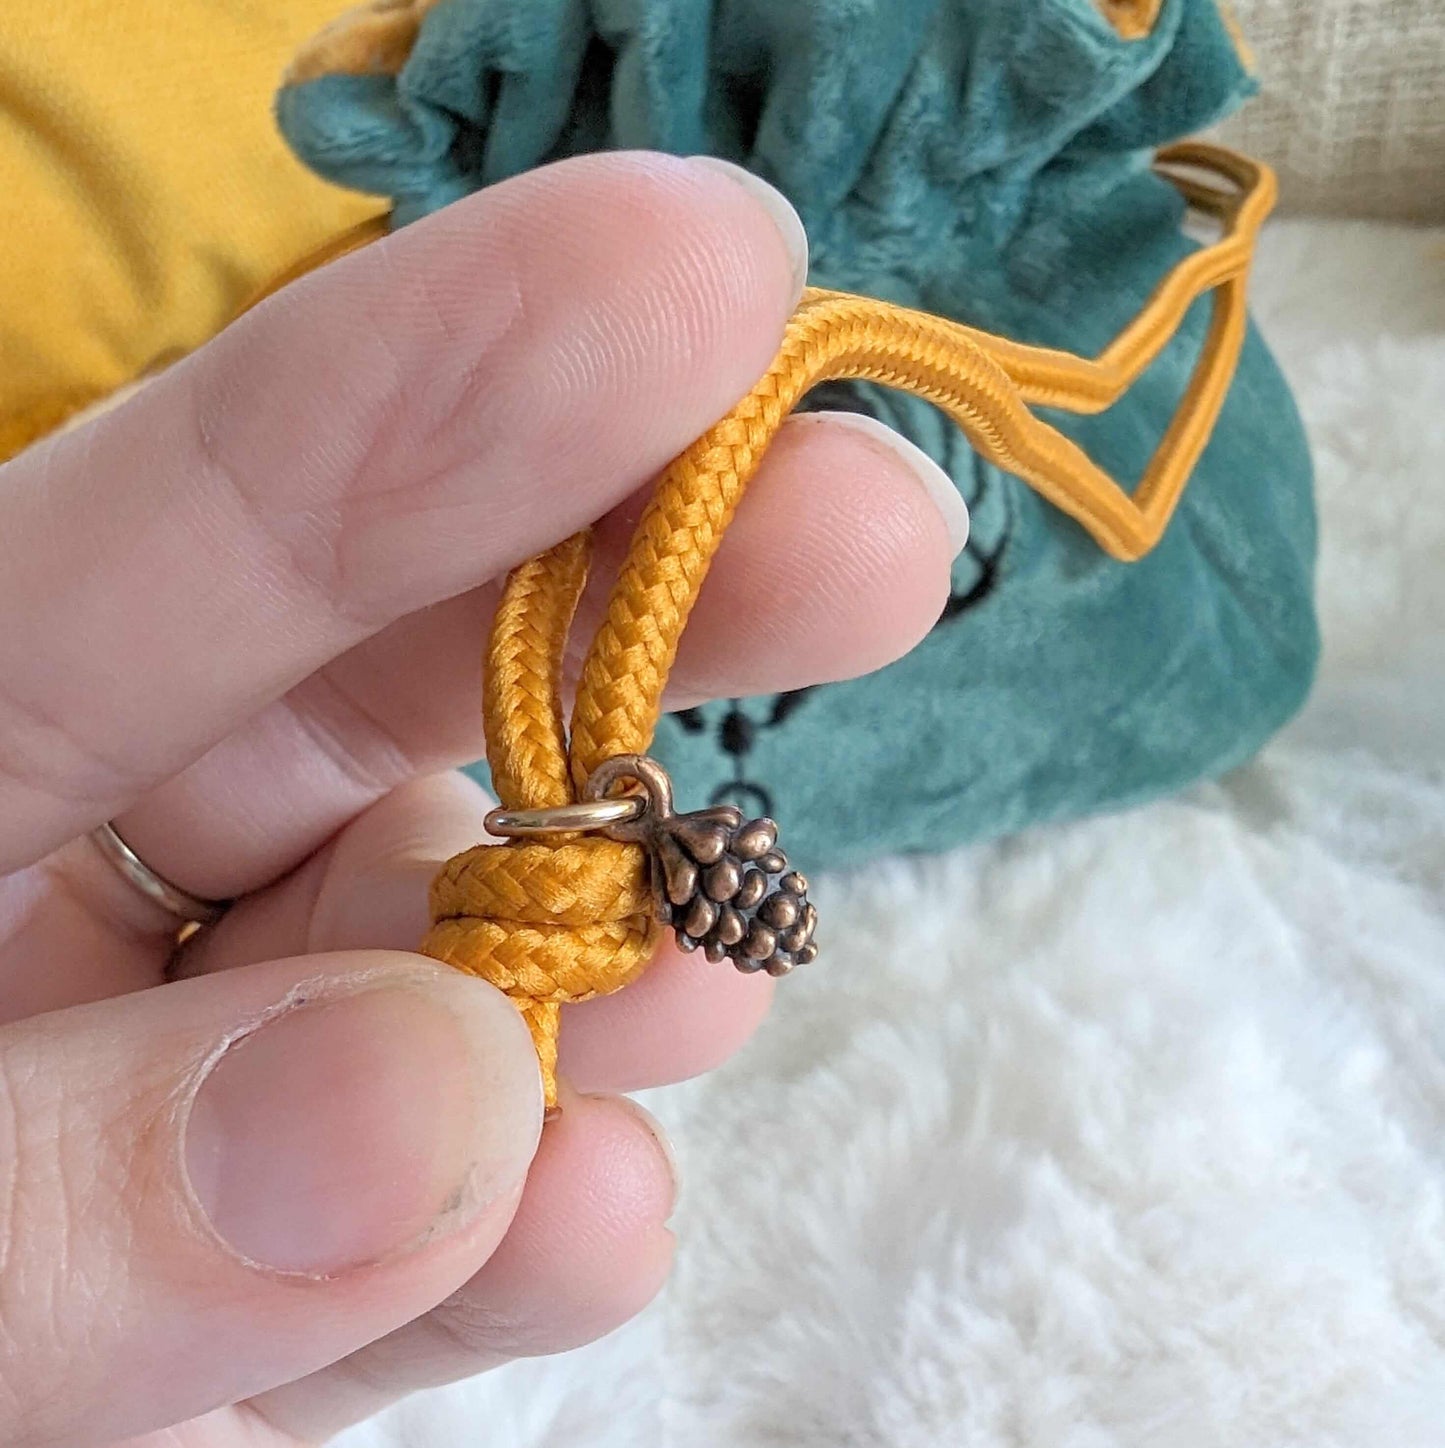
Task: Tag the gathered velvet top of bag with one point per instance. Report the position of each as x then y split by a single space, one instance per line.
987 160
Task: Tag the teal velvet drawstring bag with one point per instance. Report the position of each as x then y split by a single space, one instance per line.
987 160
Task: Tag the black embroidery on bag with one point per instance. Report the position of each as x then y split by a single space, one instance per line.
737 736
982 586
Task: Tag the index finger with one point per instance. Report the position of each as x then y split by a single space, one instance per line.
384 435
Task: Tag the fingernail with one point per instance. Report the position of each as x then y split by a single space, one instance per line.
785 218
658 1137
351 1127
936 483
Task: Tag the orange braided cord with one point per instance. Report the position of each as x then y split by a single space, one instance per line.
980 381
560 922
546 923
1049 377
522 702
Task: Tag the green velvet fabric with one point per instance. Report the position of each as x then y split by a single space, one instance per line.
988 160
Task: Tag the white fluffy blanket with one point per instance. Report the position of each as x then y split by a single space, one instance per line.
1125 1133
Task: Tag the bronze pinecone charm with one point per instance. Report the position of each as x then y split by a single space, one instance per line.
723 884
720 881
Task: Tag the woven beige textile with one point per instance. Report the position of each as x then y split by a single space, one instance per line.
1352 104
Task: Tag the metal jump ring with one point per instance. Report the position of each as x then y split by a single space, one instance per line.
565 819
595 811
192 909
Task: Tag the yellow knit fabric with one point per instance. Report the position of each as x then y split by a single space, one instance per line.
145 187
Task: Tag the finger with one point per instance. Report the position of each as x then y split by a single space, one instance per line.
837 562
587 1250
386 434
218 1185
686 1015
369 889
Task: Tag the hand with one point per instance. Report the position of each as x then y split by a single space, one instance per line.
244 613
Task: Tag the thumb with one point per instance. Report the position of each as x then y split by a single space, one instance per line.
217 1186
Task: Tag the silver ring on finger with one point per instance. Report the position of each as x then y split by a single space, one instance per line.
189 909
